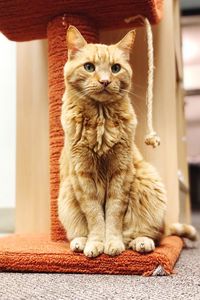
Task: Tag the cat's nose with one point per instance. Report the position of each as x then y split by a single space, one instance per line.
105 83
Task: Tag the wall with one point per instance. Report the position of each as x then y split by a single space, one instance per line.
7 121
192 111
191 56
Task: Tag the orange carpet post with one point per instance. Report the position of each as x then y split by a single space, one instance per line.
57 57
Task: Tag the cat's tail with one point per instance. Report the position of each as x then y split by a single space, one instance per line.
183 230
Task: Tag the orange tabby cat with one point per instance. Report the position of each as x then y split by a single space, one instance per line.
110 198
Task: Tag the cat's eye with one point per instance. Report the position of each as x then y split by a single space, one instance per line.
116 68
89 67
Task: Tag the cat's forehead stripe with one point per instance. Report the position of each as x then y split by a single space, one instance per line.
102 53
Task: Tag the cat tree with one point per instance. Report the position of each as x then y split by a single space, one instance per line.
29 20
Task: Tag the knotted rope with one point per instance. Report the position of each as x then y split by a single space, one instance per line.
152 137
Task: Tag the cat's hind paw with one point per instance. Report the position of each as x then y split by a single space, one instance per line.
142 244
78 244
114 247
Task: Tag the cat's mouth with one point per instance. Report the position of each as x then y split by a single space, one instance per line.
104 91
101 95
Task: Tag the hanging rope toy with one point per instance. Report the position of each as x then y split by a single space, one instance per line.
152 137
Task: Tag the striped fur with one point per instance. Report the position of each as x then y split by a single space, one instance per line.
183 230
110 198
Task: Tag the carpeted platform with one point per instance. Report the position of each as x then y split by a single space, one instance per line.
184 284
40 254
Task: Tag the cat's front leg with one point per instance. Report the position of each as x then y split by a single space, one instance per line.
117 200
86 192
115 208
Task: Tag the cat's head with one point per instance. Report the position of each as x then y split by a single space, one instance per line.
101 72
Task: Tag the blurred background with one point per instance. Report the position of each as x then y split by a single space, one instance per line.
190 25
190 34
7 133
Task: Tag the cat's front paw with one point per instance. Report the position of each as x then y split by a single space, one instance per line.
114 247
93 248
142 244
78 244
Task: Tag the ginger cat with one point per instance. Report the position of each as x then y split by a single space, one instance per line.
110 199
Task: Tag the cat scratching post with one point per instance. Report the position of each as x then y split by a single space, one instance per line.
57 56
28 20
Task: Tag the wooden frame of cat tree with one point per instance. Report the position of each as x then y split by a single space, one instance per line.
23 21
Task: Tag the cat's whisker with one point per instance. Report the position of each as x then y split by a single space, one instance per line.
79 94
137 107
140 109
132 93
139 86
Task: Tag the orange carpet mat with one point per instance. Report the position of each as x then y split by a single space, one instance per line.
33 253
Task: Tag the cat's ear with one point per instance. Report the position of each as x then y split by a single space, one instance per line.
127 42
75 40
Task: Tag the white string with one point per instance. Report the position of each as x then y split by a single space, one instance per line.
149 95
151 138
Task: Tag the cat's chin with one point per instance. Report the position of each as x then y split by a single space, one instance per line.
104 97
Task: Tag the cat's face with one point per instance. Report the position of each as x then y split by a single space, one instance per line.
101 72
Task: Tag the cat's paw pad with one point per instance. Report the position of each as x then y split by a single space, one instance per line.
114 247
142 245
78 244
93 248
